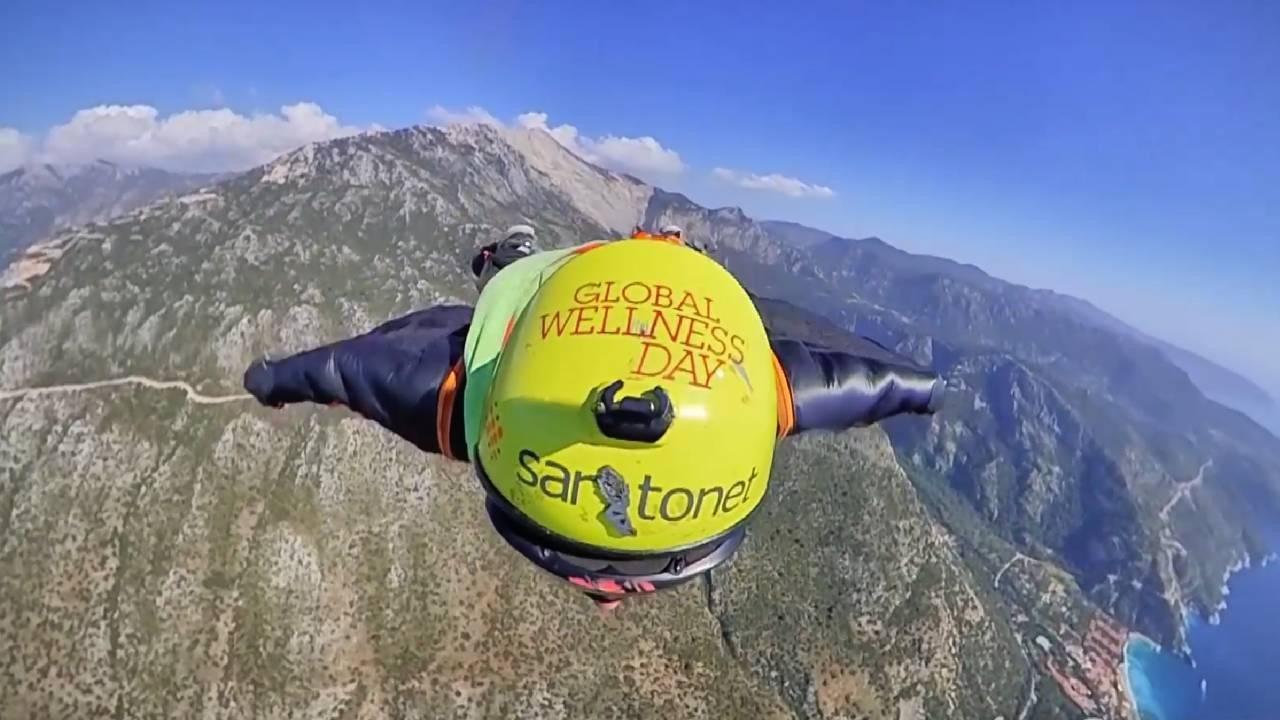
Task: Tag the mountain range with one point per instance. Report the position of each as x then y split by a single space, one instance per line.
1074 436
172 549
38 199
1217 382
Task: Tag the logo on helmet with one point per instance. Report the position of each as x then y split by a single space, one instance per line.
617 499
690 422
681 339
670 504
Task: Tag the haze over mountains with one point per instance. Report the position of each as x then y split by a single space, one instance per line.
38 199
166 555
1217 382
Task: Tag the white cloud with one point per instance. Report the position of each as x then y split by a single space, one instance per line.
566 135
15 149
192 140
639 155
643 156
473 114
774 182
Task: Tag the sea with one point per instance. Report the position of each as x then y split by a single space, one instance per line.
1236 675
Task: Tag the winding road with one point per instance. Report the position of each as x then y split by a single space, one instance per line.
1174 592
193 395
1031 696
1184 489
1012 560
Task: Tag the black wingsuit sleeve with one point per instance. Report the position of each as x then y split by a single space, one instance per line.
394 374
852 387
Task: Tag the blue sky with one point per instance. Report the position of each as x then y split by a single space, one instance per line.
1125 152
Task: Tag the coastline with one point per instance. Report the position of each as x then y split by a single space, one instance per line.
1131 702
1151 681
1128 665
1239 565
1189 617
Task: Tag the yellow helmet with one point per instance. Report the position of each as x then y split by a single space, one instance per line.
633 409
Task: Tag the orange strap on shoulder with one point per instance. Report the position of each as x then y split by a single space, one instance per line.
786 406
587 247
446 396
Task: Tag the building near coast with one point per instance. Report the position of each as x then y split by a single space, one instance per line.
1091 674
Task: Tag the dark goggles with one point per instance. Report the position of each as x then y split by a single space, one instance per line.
524 240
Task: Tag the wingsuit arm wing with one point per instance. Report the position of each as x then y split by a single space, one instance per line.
827 389
403 375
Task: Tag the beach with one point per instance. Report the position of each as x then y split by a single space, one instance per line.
1140 689
1131 703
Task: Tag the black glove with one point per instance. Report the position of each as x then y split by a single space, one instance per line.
259 381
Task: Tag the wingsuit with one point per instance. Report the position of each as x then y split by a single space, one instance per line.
494 385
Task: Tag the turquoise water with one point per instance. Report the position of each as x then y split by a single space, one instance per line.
1237 672
1164 687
